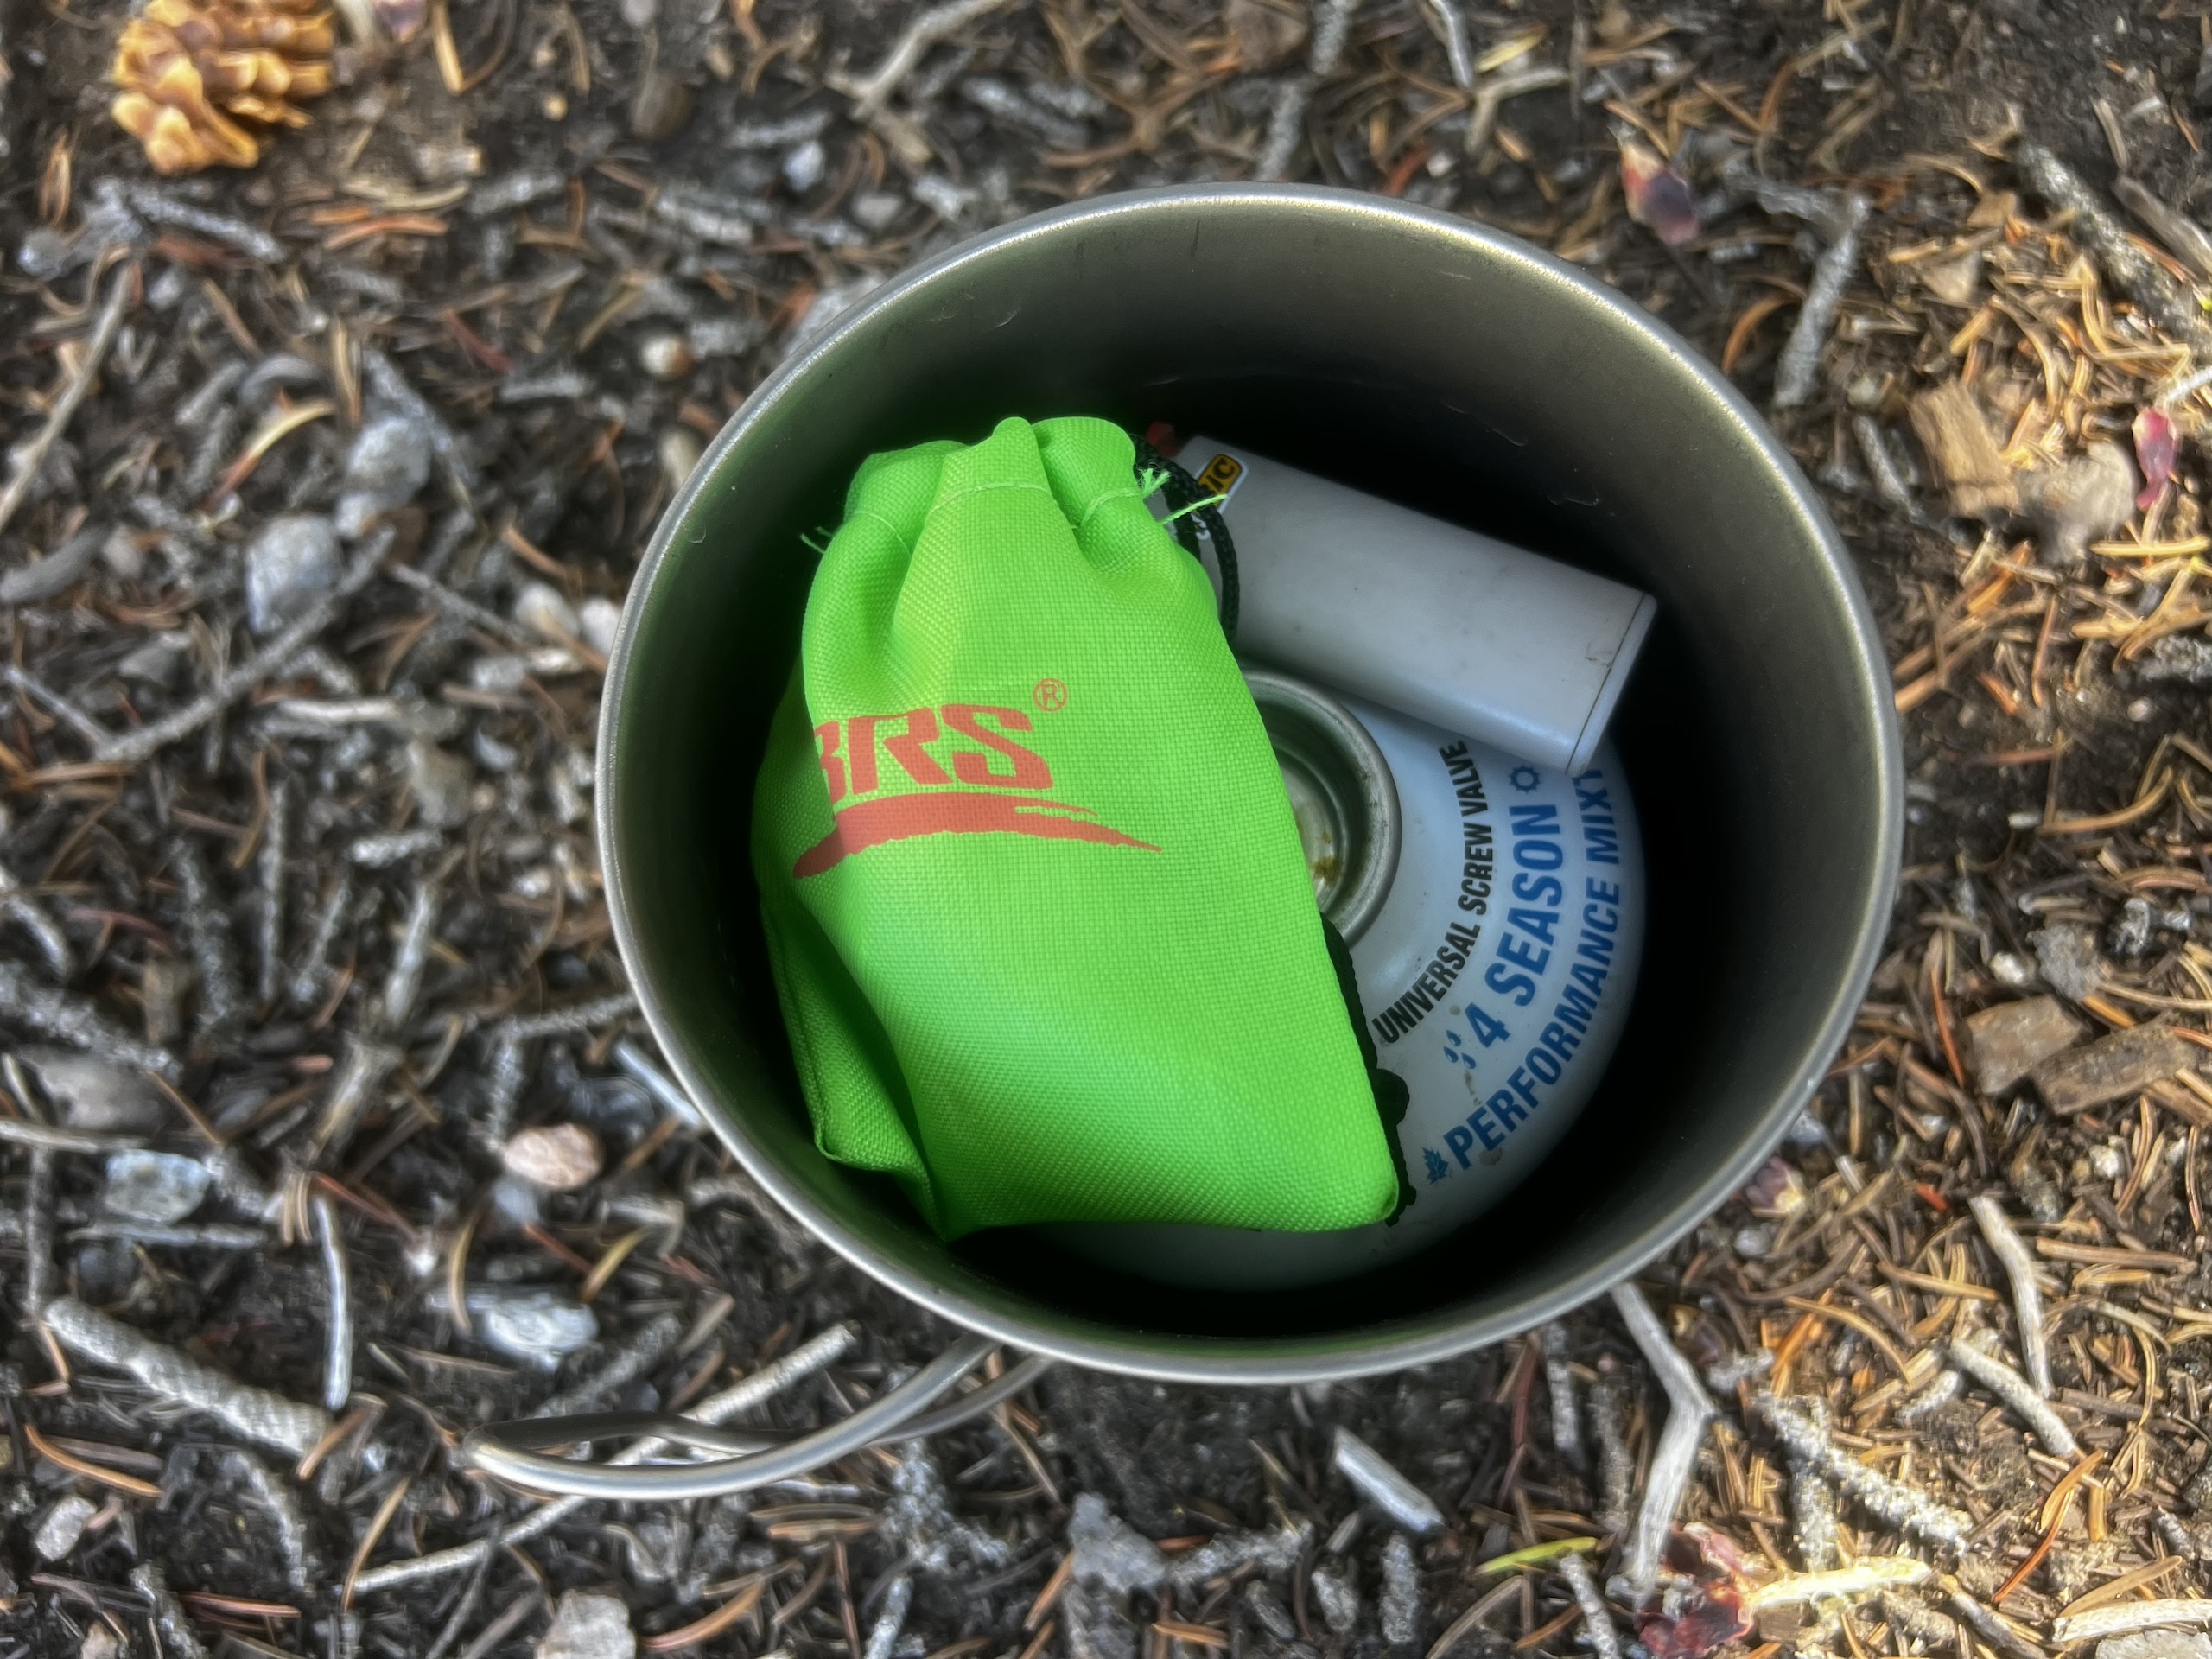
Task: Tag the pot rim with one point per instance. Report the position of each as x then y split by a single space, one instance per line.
1420 1339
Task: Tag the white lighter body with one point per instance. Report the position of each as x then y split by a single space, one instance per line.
1495 978
1521 652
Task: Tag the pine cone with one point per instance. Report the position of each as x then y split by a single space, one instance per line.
200 78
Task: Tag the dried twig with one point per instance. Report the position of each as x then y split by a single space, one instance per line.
2015 1391
2009 1248
1381 1484
27 460
1689 1411
254 1413
870 92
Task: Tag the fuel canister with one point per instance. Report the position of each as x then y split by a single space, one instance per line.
1364 595
1495 910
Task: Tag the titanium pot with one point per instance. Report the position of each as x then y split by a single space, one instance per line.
1418 357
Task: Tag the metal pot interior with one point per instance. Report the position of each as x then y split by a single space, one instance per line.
1417 357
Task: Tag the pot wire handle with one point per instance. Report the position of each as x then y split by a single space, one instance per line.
514 1452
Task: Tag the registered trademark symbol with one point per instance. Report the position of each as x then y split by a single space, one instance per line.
1050 694
1525 778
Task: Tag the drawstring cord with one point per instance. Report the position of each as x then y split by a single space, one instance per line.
1192 508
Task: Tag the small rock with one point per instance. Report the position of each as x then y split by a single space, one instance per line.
122 553
2131 935
666 357
601 620
440 784
536 1324
2198 1493
1752 1244
2083 501
2010 1039
93 1095
2067 955
2156 1644
292 563
540 607
804 167
2011 968
2125 1062
158 662
1401 1591
680 450
101 1642
589 1624
1109 1553
386 468
723 336
2185 657
559 1157
64 1525
159 1187
874 210
1339 1601
640 14
1955 282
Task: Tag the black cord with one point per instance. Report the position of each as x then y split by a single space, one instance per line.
1182 491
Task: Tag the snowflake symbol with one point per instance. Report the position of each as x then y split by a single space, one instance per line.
1435 1164
1525 778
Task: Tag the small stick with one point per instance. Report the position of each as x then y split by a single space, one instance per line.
2015 1391
19 907
1559 1379
337 1359
268 911
27 460
38 1234
2134 273
1458 50
314 963
132 746
74 1021
1941 1389
161 208
406 979
1286 121
940 23
193 1235
1806 1438
1797 370
763 1385
178 1641
256 1413
1597 1617
578 1016
283 1509
207 937
1377 1480
890 1623
366 1065
2124 1617
55 704
2008 1247
21 1132
1812 1506
639 1355
1689 1410
1994 1627
656 1082
1616 1467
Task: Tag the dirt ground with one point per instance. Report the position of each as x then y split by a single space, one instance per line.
305 968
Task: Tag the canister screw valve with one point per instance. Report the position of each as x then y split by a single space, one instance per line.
516 1451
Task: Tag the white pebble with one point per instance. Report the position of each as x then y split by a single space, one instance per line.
386 468
536 1326
440 784
601 618
159 1187
540 607
805 166
679 453
64 1525
293 563
559 1157
665 357
589 1624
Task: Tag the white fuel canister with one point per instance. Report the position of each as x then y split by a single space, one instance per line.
1361 594
1496 954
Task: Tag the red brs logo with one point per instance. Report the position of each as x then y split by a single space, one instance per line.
917 796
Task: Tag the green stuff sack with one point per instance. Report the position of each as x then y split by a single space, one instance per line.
1044 934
